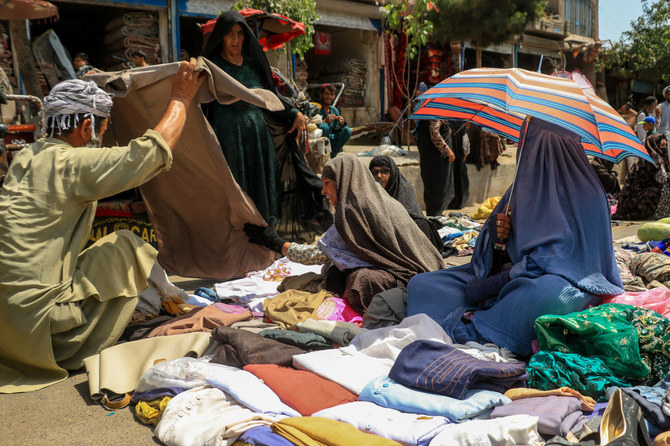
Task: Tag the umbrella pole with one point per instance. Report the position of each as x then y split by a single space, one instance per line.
501 246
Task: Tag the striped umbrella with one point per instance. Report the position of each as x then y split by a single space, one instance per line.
500 99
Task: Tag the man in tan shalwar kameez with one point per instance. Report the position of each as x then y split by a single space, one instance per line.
59 304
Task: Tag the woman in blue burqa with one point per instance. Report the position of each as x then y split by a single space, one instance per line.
558 258
260 146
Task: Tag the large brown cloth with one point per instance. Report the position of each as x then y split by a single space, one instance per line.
197 209
201 319
375 226
240 347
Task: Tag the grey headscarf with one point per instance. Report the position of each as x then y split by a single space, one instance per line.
70 98
375 226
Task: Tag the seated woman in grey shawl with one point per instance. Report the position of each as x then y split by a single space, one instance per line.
386 171
374 245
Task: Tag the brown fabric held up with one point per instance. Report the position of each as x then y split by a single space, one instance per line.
197 209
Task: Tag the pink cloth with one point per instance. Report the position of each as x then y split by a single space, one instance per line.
656 299
336 309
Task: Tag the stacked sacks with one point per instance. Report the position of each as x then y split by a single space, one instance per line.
133 31
352 73
6 56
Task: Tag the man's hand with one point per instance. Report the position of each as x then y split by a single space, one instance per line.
185 85
503 226
341 119
299 123
186 82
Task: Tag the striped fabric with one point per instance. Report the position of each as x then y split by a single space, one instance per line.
500 99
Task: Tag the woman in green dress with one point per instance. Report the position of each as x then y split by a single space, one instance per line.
240 127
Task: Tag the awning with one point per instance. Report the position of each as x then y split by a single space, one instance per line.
26 9
329 18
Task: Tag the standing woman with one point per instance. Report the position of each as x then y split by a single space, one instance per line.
240 127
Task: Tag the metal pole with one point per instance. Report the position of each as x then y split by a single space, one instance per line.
173 26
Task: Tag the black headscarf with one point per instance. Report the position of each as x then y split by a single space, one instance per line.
401 189
251 48
398 186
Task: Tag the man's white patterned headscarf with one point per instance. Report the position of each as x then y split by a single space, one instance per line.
71 98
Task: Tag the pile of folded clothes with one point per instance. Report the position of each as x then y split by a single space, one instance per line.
132 31
352 73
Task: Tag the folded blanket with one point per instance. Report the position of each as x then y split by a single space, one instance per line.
130 30
133 18
144 42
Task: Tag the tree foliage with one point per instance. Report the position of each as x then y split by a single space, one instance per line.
412 18
484 21
646 46
303 11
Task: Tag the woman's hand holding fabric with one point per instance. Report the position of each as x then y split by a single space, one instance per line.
503 226
267 236
299 123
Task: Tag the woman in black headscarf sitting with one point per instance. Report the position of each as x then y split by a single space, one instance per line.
386 171
259 146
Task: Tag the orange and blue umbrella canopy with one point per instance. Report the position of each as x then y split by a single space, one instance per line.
500 99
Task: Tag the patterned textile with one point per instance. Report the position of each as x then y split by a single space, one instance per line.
652 266
630 281
440 368
306 254
589 376
633 342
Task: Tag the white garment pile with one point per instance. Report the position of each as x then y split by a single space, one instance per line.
206 416
252 290
370 354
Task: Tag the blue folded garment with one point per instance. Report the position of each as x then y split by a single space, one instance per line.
441 368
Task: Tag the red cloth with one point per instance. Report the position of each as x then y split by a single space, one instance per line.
304 391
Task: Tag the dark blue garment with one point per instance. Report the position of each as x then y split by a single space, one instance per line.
441 368
561 247
263 436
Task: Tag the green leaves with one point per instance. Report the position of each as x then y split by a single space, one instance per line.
646 46
303 11
491 21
